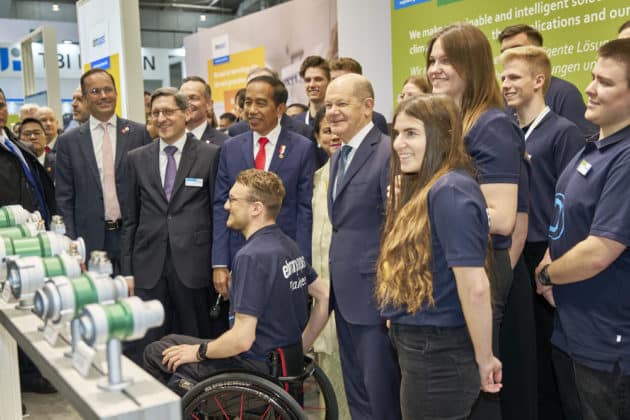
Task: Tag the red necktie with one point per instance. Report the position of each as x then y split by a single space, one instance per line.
47 149
261 157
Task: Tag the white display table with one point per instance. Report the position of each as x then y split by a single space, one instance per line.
146 398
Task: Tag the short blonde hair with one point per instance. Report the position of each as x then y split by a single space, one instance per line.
536 58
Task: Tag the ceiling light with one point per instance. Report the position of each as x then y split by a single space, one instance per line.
202 18
55 7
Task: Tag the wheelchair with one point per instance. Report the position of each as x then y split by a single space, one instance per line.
239 394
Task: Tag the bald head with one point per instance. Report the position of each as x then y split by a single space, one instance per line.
349 105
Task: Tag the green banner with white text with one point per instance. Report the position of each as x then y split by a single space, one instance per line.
572 30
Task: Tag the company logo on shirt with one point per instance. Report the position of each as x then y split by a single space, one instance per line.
292 267
556 229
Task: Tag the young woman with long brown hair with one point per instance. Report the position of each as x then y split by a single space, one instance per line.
460 64
431 281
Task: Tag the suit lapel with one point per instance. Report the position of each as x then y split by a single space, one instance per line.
361 156
87 149
189 156
283 145
334 162
122 140
155 176
247 149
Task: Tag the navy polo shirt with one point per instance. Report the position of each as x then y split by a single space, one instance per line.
496 145
270 279
455 196
550 146
524 181
592 322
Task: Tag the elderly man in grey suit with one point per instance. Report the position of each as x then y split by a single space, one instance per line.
167 227
90 173
356 206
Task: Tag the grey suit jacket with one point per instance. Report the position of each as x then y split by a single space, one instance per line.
151 223
357 215
78 187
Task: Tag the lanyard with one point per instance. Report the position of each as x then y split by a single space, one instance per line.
537 121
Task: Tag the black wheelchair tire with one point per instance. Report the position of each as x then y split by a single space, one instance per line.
328 392
287 407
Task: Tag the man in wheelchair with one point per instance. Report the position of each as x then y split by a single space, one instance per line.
270 285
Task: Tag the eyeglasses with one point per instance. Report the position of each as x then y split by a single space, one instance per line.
107 90
35 133
167 112
232 199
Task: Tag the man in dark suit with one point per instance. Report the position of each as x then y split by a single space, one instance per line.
200 101
91 168
287 122
167 232
32 134
356 207
271 147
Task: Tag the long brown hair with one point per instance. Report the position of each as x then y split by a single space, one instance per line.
468 49
404 270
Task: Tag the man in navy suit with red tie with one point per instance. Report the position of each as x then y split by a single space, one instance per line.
268 146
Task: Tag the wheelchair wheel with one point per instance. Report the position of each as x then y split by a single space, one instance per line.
320 401
240 396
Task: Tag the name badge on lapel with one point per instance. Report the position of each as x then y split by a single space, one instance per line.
584 167
194 182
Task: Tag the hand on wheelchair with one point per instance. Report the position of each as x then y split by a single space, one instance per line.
175 356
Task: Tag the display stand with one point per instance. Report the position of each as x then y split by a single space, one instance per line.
146 398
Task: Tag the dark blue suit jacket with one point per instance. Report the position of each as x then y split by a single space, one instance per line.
78 186
287 122
295 168
357 215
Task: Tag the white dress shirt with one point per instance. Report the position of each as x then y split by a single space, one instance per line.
97 140
198 131
272 136
164 157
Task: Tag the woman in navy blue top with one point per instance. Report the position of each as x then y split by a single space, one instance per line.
460 65
431 280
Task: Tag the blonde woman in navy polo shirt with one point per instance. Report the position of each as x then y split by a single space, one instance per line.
588 261
460 65
431 281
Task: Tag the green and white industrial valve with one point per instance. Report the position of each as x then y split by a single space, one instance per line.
27 274
62 298
25 230
14 215
127 319
44 244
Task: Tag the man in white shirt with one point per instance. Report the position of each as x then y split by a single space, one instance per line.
166 240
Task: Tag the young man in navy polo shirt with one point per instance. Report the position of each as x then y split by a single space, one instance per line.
271 281
551 141
588 261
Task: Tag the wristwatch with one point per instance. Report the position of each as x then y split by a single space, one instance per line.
201 353
543 276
